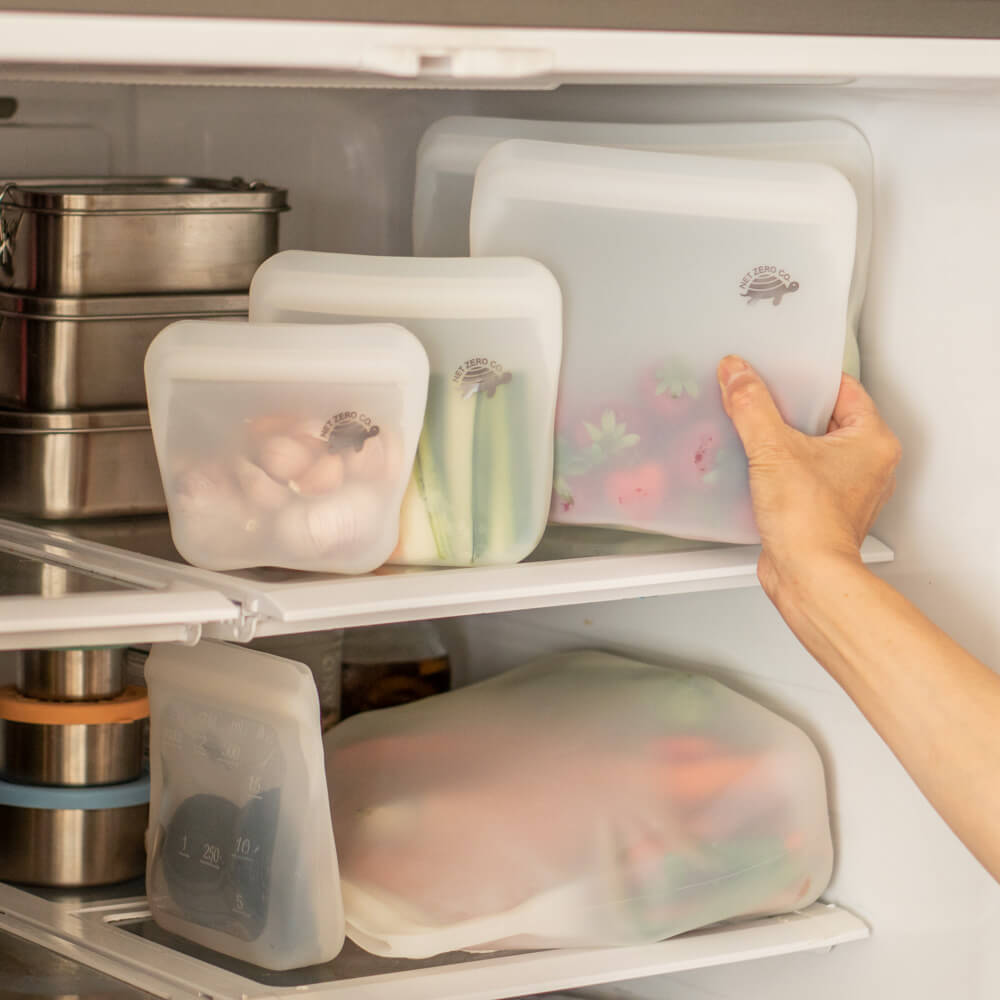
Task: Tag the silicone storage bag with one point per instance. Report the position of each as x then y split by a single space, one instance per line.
493 333
284 445
452 149
667 263
580 800
241 853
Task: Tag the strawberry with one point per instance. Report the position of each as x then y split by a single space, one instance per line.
636 492
700 454
669 388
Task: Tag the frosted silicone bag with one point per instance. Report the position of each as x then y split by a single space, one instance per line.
492 330
283 445
583 799
241 857
667 263
451 150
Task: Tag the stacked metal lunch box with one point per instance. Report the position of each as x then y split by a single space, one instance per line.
74 795
91 269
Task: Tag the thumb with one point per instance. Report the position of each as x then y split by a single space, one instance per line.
749 405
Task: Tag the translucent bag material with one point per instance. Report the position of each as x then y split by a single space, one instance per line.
580 800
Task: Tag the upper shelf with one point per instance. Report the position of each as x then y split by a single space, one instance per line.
163 594
318 52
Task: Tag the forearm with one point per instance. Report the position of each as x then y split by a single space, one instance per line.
936 706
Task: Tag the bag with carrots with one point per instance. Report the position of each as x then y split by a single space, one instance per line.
582 799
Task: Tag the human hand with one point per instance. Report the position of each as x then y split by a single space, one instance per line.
814 498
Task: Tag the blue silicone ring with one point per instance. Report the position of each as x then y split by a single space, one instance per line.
131 793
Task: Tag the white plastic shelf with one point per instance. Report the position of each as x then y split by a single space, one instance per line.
258 51
174 596
110 937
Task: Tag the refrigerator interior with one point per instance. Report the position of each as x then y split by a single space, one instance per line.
930 356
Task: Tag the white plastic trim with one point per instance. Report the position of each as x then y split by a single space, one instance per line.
260 51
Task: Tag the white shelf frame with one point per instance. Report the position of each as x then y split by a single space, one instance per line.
257 51
177 602
89 934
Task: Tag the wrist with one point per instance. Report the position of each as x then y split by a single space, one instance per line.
798 584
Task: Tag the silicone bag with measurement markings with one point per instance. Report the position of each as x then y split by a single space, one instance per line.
492 329
667 263
241 857
452 149
285 445
580 800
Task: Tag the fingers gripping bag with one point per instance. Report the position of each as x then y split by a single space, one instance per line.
580 800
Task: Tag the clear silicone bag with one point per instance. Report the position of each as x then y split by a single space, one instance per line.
583 799
452 149
668 262
285 445
492 330
241 857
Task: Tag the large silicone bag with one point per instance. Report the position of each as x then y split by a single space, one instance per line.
667 263
452 149
580 800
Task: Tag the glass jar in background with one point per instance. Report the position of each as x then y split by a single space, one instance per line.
386 665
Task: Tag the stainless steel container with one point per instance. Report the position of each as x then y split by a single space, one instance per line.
72 674
87 754
73 836
72 743
80 353
91 464
128 235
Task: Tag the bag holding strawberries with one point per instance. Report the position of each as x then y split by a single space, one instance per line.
580 800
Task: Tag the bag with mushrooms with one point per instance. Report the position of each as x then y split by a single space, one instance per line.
283 445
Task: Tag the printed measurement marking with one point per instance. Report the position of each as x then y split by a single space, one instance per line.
211 856
184 846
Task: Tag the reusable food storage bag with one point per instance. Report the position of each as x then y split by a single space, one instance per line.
667 263
582 799
241 857
452 149
283 445
492 330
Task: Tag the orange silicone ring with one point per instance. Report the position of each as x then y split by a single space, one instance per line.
130 706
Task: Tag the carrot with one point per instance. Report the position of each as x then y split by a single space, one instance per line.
684 748
694 781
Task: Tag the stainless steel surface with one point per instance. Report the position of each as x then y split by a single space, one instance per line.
75 353
72 674
30 972
80 754
128 235
71 847
92 464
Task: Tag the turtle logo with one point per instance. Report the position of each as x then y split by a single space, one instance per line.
480 375
767 282
348 429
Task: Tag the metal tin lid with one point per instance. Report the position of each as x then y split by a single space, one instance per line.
141 195
182 306
130 793
18 422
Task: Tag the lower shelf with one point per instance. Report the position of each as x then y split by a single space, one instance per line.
119 938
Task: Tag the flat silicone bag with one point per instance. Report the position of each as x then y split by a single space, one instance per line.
241 857
667 263
492 329
283 445
582 799
452 149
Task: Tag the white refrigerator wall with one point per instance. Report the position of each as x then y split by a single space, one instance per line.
930 353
